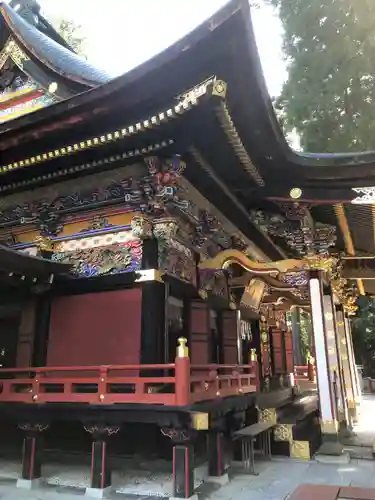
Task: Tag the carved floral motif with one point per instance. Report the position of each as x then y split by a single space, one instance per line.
296 230
213 281
165 228
98 261
96 223
102 430
141 227
149 194
177 260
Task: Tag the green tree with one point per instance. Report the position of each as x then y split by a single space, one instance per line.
329 97
363 327
71 33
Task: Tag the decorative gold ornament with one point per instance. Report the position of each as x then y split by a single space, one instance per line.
45 244
52 88
16 53
267 415
283 433
200 421
295 193
253 355
203 294
300 450
329 426
182 348
314 262
141 227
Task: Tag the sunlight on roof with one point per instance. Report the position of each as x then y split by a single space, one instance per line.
125 33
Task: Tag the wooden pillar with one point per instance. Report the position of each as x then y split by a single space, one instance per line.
334 358
240 340
348 382
217 450
289 352
31 455
265 355
296 332
353 368
101 479
327 403
153 327
182 461
153 322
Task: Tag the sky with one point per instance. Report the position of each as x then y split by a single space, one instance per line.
121 34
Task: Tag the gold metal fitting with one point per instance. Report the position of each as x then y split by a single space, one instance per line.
182 348
329 426
200 421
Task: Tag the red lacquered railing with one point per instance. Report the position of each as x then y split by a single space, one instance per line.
176 384
305 372
301 371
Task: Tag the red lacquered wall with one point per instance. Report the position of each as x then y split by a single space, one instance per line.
96 329
26 335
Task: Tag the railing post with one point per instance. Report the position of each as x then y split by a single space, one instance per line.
255 367
182 373
102 385
35 386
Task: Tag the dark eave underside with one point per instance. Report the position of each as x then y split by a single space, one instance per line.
154 86
199 55
16 262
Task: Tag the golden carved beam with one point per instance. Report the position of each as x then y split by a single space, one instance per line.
228 257
245 279
346 234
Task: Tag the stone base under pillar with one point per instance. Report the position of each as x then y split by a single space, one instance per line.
342 459
220 480
332 451
98 492
347 433
29 484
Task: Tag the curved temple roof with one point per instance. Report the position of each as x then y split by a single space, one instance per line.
204 97
197 56
49 52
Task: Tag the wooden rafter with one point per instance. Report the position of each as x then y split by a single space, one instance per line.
348 240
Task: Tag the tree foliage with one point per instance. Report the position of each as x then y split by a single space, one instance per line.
363 327
330 51
71 33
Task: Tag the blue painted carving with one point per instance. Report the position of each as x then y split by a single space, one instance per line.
150 195
99 261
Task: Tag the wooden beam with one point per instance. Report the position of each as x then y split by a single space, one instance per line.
346 234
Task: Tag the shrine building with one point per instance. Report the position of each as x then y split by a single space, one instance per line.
169 266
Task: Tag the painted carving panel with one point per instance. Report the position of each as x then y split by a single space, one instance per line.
101 255
177 260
